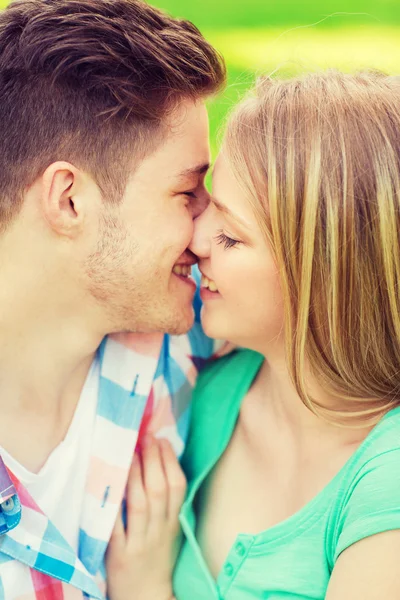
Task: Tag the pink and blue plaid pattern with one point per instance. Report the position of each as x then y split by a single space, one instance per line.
145 382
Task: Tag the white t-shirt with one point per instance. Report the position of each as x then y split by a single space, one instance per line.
59 486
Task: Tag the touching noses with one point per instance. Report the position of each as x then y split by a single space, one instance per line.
200 244
199 205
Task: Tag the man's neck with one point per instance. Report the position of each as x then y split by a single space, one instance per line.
41 359
45 356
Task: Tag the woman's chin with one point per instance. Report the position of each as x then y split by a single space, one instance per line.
214 329
211 327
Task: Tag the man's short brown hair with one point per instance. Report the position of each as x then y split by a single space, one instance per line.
90 82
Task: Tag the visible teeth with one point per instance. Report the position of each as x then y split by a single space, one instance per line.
184 270
208 283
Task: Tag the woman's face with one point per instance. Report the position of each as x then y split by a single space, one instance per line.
240 285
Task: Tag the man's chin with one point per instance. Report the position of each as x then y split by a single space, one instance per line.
182 324
177 323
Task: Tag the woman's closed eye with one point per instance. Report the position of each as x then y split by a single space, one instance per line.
229 242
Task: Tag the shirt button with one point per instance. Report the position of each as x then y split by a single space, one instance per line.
240 549
229 570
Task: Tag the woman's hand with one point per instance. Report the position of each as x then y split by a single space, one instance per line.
140 559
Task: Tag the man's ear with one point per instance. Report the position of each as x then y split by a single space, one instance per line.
61 205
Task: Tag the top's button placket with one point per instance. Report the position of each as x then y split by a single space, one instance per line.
240 549
234 561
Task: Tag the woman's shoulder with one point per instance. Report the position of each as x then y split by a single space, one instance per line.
376 452
368 501
383 438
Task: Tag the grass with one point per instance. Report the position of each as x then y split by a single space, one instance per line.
284 52
226 14
289 37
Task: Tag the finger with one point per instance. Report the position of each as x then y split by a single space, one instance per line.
155 486
137 505
118 536
176 480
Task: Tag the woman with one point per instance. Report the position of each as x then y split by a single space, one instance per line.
293 464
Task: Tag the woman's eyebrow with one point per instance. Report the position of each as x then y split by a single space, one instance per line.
224 209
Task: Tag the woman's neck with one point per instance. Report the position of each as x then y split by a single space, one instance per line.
274 401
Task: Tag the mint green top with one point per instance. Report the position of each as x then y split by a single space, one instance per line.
294 559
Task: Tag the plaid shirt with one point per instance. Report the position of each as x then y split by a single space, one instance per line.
145 384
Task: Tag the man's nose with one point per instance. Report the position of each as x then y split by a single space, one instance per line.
200 244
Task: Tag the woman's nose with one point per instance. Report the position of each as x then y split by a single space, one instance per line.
200 244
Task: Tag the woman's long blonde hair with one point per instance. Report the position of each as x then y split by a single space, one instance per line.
319 158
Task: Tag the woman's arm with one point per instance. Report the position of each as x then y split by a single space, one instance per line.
368 570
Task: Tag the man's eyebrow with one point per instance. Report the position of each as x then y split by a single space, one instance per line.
224 209
197 170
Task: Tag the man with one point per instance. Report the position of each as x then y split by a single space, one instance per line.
104 151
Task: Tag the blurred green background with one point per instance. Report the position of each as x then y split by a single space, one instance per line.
290 37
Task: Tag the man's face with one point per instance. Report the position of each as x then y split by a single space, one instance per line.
145 239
